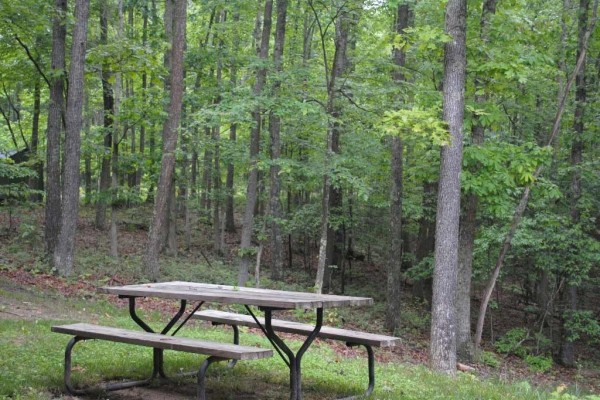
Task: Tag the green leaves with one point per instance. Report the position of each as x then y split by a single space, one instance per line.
495 170
417 124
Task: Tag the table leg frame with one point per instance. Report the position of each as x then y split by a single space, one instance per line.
158 354
106 387
294 361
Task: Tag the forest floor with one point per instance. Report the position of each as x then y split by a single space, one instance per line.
33 285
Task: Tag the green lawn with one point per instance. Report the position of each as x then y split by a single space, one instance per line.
31 365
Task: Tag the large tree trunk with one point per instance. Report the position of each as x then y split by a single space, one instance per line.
108 107
229 209
567 350
218 241
275 131
332 196
468 222
163 190
443 313
65 247
394 262
251 194
54 124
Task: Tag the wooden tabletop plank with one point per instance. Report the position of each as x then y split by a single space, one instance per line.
234 295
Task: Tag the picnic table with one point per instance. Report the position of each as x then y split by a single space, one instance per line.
266 300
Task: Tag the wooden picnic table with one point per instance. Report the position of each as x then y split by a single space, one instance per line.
266 300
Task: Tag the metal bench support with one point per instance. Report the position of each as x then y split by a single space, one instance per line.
202 373
107 386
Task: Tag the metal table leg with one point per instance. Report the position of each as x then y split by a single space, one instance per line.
158 354
294 361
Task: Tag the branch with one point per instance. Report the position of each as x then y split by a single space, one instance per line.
322 37
33 60
17 113
10 129
347 96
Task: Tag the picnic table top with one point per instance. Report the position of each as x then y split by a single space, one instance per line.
269 298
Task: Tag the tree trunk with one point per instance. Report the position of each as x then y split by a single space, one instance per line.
216 138
65 247
394 262
37 182
332 197
142 148
274 131
55 121
217 192
426 240
251 194
169 141
229 209
108 107
567 351
468 223
205 202
443 314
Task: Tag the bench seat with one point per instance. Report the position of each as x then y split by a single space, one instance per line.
216 351
352 338
158 341
326 332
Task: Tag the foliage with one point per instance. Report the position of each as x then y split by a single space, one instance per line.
489 358
582 323
512 342
416 124
13 178
519 342
538 363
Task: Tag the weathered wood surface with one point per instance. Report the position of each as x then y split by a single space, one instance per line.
326 332
156 340
235 295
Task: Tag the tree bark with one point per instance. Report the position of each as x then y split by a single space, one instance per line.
426 240
567 350
251 194
65 246
229 206
332 196
37 182
394 264
275 131
169 141
468 222
54 124
443 315
216 138
108 101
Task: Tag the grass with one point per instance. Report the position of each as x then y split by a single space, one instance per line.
31 357
31 365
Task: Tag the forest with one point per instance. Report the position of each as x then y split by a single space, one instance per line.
449 150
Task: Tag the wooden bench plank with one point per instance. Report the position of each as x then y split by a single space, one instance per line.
155 340
356 337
